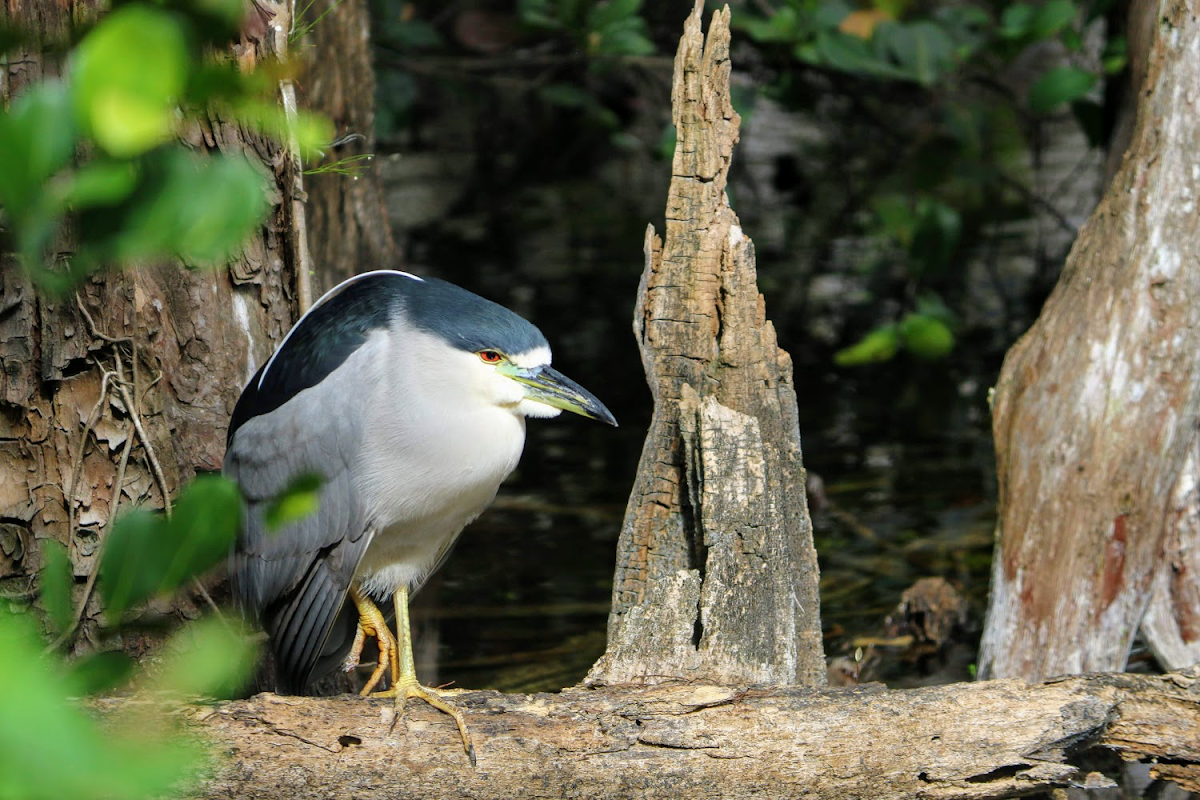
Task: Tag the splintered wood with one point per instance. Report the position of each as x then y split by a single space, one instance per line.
716 573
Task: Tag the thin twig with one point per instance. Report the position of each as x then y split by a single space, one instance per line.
93 330
155 466
212 605
299 228
89 587
77 467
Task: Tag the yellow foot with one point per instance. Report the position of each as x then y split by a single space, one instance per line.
405 690
371 622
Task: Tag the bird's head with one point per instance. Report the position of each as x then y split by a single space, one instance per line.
497 355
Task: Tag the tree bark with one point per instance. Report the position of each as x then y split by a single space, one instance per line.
1096 406
348 229
131 381
987 739
1171 625
716 574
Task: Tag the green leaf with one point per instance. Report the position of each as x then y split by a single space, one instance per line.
624 42
132 562
56 583
301 498
922 50
830 13
1051 17
896 216
613 12
204 525
538 14
209 658
846 53
782 26
1016 20
925 336
929 304
968 27
1115 55
1059 86
567 95
936 237
37 139
50 748
1071 39
98 183
200 209
229 13
311 131
127 75
148 554
99 672
667 142
878 345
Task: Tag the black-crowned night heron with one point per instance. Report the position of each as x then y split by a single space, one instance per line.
408 397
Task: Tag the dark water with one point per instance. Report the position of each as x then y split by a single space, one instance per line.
554 230
902 451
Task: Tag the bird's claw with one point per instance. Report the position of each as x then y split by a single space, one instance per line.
404 690
371 622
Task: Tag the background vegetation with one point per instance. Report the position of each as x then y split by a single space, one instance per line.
912 172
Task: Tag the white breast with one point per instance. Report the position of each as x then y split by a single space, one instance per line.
435 452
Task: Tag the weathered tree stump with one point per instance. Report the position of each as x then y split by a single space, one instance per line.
716 572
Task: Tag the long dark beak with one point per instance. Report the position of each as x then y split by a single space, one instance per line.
548 385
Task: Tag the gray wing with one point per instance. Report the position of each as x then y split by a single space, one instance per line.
294 580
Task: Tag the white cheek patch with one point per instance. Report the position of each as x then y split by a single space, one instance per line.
505 391
537 357
532 408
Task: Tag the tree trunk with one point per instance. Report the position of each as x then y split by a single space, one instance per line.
977 740
1096 405
716 573
348 229
131 381
1172 622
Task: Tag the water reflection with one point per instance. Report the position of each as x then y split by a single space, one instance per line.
522 604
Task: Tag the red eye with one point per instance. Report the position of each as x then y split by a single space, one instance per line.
490 357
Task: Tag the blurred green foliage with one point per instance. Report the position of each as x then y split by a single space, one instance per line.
583 42
962 164
609 28
922 125
50 746
148 554
98 148
97 153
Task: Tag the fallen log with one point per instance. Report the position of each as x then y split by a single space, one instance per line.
986 739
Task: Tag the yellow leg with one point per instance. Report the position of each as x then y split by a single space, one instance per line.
405 683
371 622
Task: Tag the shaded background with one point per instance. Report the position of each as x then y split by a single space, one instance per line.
912 175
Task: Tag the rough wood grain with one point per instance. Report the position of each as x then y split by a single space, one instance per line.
182 341
349 231
987 739
1096 406
716 574
1171 625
